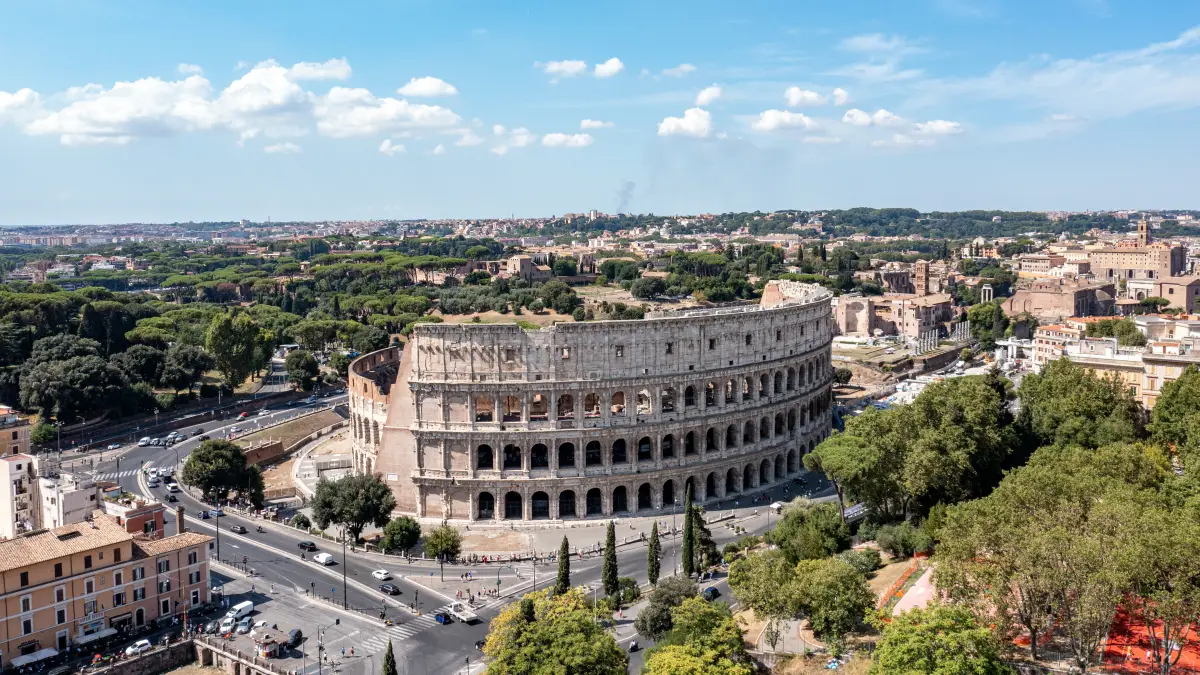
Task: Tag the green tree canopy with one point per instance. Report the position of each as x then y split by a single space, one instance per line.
937 640
400 534
302 368
218 468
562 637
1068 405
443 542
352 502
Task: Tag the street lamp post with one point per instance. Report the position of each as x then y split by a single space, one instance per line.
217 518
345 604
320 643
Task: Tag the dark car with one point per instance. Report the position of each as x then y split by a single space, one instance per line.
204 437
443 618
294 637
479 644
710 594
212 627
202 514
390 589
172 498
198 431
237 529
307 546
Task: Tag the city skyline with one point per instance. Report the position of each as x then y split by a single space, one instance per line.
147 113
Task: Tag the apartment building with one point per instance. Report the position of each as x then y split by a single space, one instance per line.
17 512
79 583
14 432
1050 341
65 498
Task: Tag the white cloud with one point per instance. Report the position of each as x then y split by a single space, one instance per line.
594 124
797 97
878 43
517 138
609 68
558 70
902 140
822 139
679 70
439 149
856 117
246 135
887 71
190 69
389 148
333 69
885 118
286 148
773 120
427 87
708 95
347 112
466 138
557 140
841 96
19 106
939 127
696 122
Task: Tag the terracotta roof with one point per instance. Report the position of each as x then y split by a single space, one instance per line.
172 543
43 545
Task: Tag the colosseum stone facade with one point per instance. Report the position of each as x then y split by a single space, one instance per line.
479 422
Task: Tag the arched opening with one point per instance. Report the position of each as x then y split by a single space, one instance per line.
486 504
620 500
791 379
644 406
668 446
645 450
778 424
710 484
762 386
689 396
748 433
731 436
791 423
748 389
595 502
618 403
539 457
668 493
512 457
591 405
484 458
566 407
748 476
139 617
791 462
778 383
811 445
593 454
666 400
619 456
729 391
710 395
539 408
513 509
764 472
731 486
779 467
689 443
566 455
645 502
566 504
539 506
512 409
764 428
710 440
485 409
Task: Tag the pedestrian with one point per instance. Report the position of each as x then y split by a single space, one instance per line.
343 652
352 652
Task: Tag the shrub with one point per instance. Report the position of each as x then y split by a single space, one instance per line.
867 530
165 401
902 540
43 433
208 391
731 549
301 520
865 561
628 591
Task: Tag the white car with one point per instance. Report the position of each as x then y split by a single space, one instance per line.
382 575
323 558
228 624
139 647
264 411
244 625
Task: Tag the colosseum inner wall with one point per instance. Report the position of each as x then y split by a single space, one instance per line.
493 422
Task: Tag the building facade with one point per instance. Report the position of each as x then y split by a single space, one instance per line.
14 432
493 422
17 507
71 585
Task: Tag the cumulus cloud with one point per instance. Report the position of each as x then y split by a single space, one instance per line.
696 122
939 127
901 140
797 97
856 117
439 149
427 87
679 70
333 69
773 120
557 140
190 69
466 138
19 106
516 138
558 70
708 95
608 68
841 96
885 118
389 148
345 112
594 124
286 148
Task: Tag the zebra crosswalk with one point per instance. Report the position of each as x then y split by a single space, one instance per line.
126 473
410 627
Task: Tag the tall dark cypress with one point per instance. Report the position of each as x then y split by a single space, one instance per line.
389 661
689 535
563 583
653 552
609 572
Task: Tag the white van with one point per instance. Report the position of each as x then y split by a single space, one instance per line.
144 442
323 558
240 610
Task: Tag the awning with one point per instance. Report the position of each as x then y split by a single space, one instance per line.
127 616
39 655
98 635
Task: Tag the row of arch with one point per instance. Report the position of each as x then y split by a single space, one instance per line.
715 439
648 496
647 402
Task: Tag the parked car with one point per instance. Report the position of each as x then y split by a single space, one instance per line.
443 618
237 529
212 627
139 647
234 429
710 594
389 589
244 625
228 624
294 638
382 575
324 559
307 546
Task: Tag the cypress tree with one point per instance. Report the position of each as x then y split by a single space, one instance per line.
527 610
689 563
609 572
563 584
389 661
652 555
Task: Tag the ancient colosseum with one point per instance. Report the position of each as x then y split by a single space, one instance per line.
479 422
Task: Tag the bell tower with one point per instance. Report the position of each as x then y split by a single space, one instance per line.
1143 233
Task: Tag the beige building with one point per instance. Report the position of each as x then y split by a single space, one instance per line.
78 583
18 511
1039 263
1053 300
1141 259
14 432
909 315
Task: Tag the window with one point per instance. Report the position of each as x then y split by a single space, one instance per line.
165 607
192 557
26 603
89 607
1170 291
620 351
193 577
60 594
164 586
118 599
87 562
89 586
14 436
195 597
60 616
117 554
57 570
117 579
778 335
510 354
164 566
748 339
139 594
24 578
139 573
670 347
26 626
566 353
712 344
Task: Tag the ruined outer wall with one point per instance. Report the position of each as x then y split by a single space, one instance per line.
490 422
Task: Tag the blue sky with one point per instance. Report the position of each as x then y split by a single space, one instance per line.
152 111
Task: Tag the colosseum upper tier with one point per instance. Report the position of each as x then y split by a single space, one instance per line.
486 422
